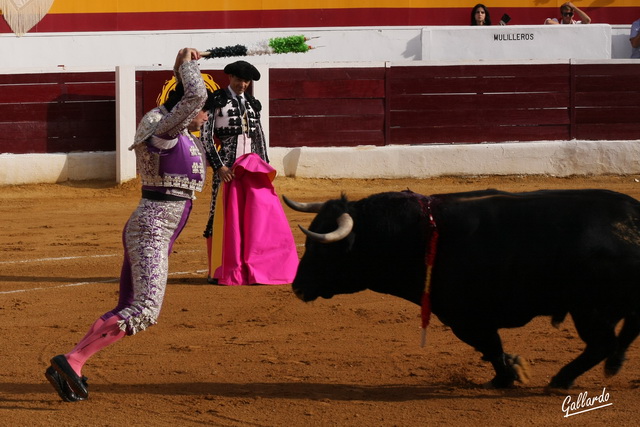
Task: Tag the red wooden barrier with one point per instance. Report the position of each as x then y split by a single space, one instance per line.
319 107
326 107
57 112
478 103
607 101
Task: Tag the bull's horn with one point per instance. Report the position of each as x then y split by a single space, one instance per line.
303 207
345 225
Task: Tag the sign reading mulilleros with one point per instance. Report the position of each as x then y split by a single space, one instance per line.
512 37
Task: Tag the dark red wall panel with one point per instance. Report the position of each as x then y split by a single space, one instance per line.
327 107
57 112
478 103
606 101
62 112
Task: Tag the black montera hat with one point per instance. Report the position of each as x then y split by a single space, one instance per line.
176 94
243 70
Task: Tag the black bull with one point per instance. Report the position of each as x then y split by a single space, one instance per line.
501 260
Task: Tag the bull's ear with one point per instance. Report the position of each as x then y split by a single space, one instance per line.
303 207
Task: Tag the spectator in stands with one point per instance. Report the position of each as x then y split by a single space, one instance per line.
567 11
635 39
480 15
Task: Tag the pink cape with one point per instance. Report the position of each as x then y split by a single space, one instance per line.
257 245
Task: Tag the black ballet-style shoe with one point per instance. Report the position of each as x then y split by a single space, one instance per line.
77 384
61 386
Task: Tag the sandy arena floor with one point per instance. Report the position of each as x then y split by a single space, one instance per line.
257 356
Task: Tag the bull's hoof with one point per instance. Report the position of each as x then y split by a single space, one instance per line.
520 367
559 384
510 368
500 382
613 365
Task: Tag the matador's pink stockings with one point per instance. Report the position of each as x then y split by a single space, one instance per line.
101 334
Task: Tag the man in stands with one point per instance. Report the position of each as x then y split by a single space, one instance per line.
567 12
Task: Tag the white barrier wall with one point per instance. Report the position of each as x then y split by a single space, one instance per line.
140 49
59 167
554 158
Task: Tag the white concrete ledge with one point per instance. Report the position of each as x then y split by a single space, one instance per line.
554 158
91 165
59 167
77 51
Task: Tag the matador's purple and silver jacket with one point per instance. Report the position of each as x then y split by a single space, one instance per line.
172 160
